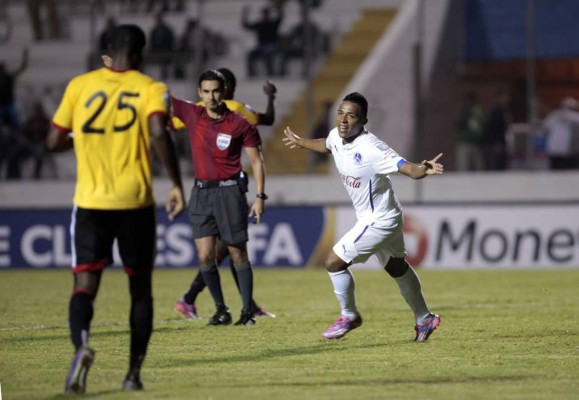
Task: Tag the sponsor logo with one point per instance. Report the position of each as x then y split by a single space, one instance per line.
351 181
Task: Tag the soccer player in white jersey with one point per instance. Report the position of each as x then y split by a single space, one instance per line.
364 162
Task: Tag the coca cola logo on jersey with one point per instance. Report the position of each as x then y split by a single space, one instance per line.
351 181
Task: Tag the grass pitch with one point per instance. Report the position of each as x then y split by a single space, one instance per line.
504 335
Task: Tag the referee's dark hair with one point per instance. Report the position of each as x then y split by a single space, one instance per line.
212 75
357 98
128 38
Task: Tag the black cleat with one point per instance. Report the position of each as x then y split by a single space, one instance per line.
132 382
246 318
221 317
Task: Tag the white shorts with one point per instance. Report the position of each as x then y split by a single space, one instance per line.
384 239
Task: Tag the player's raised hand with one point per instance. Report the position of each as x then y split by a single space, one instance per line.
269 88
291 140
433 167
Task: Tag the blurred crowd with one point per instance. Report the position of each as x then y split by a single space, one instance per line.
486 139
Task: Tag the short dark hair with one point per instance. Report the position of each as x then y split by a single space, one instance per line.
212 75
357 98
230 79
129 38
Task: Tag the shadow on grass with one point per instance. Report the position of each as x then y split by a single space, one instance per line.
102 393
450 380
268 354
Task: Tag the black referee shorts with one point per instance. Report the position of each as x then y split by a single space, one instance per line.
94 232
220 212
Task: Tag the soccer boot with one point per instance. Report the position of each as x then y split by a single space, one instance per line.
342 326
425 330
246 318
132 382
221 317
81 363
263 313
189 311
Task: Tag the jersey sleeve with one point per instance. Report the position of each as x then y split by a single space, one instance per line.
182 111
251 136
330 139
244 110
386 160
62 119
158 99
250 114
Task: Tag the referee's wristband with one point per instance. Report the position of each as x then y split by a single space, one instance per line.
262 196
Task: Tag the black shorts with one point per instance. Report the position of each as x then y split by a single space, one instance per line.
220 212
94 232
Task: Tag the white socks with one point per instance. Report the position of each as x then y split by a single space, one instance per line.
411 290
344 288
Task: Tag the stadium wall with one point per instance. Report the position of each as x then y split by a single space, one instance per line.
506 220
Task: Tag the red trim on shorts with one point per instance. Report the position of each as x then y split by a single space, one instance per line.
134 272
91 267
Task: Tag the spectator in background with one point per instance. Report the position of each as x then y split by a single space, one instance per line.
267 34
161 44
469 154
562 126
35 12
305 39
494 140
10 136
213 44
106 35
35 132
8 110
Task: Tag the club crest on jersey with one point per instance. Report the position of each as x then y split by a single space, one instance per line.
223 141
357 158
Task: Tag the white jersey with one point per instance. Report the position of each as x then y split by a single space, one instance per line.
364 166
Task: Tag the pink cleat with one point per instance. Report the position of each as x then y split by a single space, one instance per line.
342 326
424 331
189 311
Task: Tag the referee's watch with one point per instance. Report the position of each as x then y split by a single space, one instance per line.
262 196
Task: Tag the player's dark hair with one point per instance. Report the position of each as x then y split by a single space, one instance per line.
212 75
357 98
230 79
128 38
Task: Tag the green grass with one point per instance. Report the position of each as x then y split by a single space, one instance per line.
504 335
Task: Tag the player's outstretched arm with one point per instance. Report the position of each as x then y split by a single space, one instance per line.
419 171
294 141
165 149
